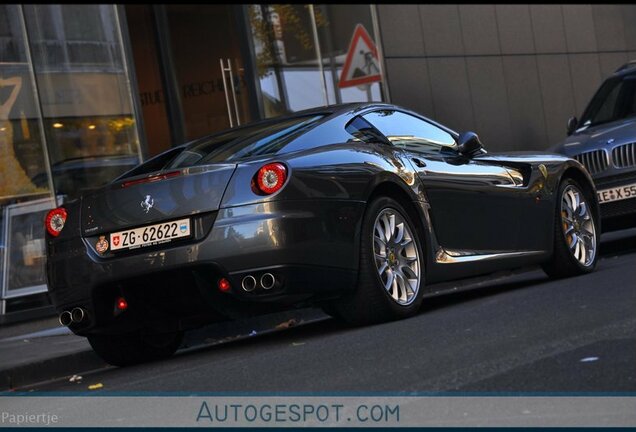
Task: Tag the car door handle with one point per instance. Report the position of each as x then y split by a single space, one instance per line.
419 162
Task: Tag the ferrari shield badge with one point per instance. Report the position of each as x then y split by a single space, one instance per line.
102 245
543 170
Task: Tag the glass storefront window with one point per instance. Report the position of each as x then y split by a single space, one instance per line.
286 59
335 38
23 171
66 124
85 94
288 66
25 181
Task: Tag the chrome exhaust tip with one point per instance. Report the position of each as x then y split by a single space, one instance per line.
248 283
65 318
268 281
78 315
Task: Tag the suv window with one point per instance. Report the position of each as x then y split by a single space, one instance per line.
615 100
409 132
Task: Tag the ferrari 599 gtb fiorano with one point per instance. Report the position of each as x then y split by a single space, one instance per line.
358 208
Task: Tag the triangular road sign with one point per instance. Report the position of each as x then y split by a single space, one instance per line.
362 65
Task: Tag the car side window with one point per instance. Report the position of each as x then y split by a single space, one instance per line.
409 132
362 130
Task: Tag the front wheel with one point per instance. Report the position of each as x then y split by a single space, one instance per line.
391 274
576 234
133 348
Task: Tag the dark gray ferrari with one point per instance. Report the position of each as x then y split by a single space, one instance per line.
357 208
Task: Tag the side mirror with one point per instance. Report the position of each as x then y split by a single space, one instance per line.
572 124
469 144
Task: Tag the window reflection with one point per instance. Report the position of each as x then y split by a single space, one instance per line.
85 96
409 132
22 161
287 64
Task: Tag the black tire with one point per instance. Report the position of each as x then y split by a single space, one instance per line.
563 263
370 303
134 348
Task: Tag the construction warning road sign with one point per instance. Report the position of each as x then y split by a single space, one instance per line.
362 65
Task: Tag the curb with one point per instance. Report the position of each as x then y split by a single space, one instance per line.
86 360
49 369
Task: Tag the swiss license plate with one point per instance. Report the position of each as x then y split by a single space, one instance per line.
617 194
150 235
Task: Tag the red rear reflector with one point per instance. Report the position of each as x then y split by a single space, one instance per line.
152 178
224 285
55 220
269 179
121 304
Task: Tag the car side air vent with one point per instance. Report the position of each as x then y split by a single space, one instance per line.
595 161
624 156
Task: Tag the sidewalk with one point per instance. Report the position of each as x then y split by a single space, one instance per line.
43 350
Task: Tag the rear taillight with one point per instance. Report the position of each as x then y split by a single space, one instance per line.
55 220
269 179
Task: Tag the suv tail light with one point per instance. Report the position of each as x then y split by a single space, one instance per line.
55 220
269 179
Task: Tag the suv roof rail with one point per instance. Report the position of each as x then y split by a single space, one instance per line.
630 64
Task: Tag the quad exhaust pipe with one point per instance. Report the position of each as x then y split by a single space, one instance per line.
248 283
267 281
65 318
73 316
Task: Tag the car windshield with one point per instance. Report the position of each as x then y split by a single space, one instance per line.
253 140
615 100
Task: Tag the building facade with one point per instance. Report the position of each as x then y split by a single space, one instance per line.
512 73
89 91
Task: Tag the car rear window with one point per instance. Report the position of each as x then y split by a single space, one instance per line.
249 141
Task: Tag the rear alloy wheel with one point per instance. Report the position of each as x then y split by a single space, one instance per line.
133 348
391 272
576 234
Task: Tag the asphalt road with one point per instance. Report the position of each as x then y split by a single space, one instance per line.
520 333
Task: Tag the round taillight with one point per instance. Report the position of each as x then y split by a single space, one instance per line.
55 220
270 178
